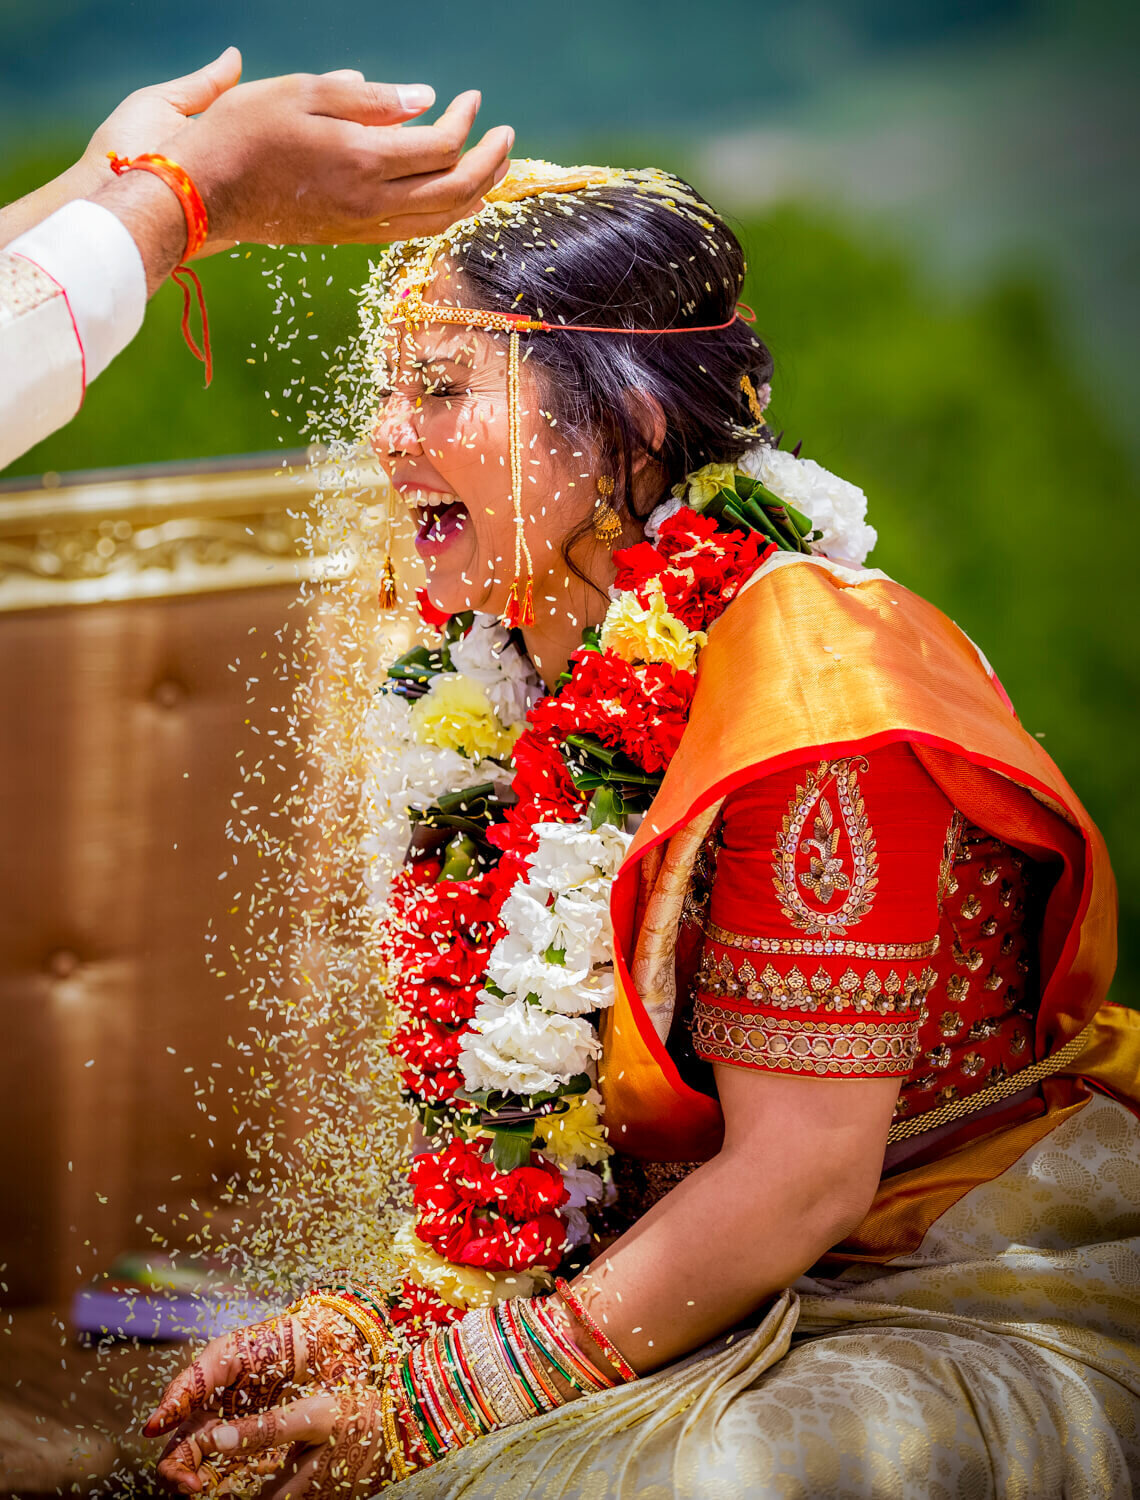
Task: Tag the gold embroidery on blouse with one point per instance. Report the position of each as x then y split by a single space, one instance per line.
947 884
826 874
821 947
724 977
789 1045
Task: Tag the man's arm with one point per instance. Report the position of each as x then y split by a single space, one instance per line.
289 160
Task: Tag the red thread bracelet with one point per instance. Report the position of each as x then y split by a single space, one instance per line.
574 1303
197 228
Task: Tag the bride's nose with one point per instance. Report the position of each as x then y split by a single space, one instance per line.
395 430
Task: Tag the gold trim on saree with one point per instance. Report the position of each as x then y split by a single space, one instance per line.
791 1045
993 1093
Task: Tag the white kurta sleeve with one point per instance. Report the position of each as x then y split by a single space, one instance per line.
72 294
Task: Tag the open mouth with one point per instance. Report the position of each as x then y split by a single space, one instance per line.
438 523
440 516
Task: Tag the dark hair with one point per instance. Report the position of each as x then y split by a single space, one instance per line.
620 257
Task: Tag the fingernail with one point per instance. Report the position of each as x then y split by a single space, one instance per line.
510 137
415 95
226 1438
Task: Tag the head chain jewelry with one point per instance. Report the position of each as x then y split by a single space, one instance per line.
529 179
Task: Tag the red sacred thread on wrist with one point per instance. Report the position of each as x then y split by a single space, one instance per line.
197 227
574 1303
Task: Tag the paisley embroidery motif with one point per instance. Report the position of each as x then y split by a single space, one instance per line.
827 872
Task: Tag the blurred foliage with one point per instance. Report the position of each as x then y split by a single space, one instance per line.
999 492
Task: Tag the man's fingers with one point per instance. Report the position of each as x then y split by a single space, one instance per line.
197 91
367 103
425 148
309 1420
474 175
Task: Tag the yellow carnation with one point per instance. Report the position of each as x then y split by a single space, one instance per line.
575 1136
456 714
701 486
639 633
461 1286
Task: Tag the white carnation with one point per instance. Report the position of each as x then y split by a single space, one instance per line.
570 854
577 923
487 655
837 508
399 774
519 1049
569 992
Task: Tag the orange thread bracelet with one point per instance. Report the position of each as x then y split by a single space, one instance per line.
197 228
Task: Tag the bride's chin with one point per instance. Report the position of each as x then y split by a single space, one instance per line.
453 595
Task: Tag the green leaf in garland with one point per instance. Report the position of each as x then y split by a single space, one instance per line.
607 806
459 858
555 955
511 1145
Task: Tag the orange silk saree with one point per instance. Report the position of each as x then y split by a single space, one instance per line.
815 660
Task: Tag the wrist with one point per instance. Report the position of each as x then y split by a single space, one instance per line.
200 160
153 216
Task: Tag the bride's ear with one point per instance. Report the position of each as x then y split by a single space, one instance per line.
647 416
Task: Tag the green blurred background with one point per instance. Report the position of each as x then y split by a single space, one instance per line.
937 200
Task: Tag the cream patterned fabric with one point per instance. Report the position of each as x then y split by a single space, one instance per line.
1002 1359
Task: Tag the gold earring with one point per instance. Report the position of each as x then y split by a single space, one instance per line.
607 522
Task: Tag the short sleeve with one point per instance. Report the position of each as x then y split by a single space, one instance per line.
823 918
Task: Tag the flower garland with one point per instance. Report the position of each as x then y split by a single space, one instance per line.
498 935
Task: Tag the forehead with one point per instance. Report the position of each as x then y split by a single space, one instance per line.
445 342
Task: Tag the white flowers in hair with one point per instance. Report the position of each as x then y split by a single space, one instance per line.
837 508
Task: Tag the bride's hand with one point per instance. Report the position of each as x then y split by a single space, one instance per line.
250 1369
323 1446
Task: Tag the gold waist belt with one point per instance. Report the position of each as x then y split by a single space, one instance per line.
993 1093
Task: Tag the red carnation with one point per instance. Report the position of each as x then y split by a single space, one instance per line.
419 1310
641 710
436 618
699 567
431 1055
545 792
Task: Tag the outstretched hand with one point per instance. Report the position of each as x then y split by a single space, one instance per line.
159 111
329 158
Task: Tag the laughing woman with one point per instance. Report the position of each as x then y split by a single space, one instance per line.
786 924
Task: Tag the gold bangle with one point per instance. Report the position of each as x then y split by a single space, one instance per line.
391 1432
363 1325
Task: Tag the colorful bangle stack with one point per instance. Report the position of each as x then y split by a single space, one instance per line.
541 1325
362 1309
493 1368
574 1303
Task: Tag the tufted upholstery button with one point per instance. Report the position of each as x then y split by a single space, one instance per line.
62 963
168 693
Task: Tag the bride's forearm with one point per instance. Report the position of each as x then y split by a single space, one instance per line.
744 1225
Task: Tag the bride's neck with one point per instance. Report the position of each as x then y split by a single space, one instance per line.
561 615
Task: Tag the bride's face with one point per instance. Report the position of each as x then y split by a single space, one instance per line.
441 435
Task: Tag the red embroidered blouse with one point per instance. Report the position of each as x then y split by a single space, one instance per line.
857 928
